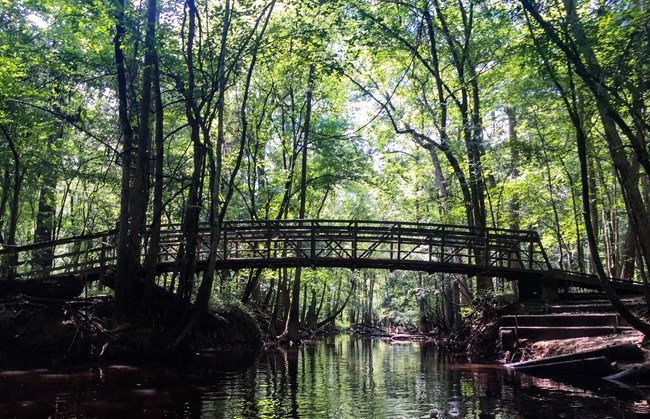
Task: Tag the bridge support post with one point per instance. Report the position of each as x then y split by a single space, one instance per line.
543 289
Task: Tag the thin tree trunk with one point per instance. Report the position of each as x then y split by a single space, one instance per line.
45 218
269 293
140 190
591 74
423 321
10 241
310 320
581 141
190 226
276 306
335 300
124 271
371 296
338 311
154 239
320 303
593 185
292 330
625 313
304 304
6 186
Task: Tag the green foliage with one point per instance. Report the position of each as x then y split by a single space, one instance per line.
58 109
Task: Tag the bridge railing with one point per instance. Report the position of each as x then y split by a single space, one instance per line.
343 243
81 254
378 240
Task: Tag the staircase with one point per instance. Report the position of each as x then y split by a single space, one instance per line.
584 317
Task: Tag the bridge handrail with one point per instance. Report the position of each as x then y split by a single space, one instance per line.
530 235
51 243
307 232
321 222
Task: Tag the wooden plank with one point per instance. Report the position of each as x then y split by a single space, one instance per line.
574 368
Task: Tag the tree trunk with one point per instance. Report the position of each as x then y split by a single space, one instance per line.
581 140
11 261
190 225
630 318
292 330
269 293
332 317
6 187
593 190
320 303
125 268
514 205
591 73
370 300
310 320
304 304
154 238
276 305
423 325
42 258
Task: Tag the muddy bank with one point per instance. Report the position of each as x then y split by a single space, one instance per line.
40 334
478 334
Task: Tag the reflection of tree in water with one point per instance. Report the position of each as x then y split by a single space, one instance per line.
337 378
291 358
249 390
276 376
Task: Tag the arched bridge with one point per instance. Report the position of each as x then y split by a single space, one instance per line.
492 252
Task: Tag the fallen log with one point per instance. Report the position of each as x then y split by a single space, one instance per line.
401 337
61 287
624 352
635 374
365 329
576 368
408 337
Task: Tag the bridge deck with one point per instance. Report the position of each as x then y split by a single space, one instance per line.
591 282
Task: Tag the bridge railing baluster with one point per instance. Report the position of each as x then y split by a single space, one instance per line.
313 241
355 245
399 240
225 244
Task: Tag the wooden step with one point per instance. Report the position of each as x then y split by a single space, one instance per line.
552 333
599 307
561 320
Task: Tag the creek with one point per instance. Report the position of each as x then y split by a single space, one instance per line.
337 377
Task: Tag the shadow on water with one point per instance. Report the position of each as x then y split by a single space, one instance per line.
337 377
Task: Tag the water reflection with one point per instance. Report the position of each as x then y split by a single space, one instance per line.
338 377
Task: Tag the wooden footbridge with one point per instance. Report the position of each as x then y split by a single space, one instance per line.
509 254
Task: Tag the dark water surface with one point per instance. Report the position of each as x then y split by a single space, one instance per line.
340 377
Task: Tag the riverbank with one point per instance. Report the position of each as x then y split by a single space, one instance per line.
43 333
